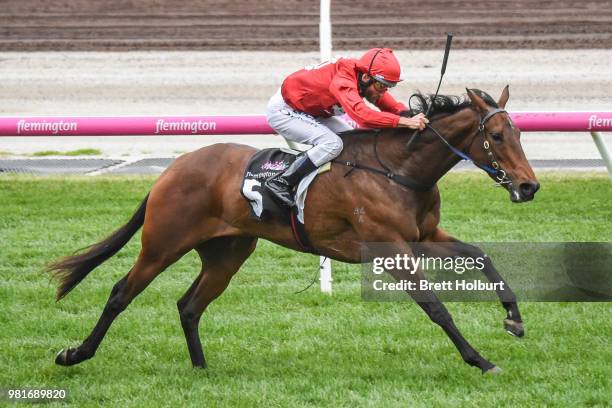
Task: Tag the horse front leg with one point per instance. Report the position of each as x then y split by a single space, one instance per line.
513 323
434 309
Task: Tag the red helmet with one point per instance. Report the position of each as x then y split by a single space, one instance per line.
381 64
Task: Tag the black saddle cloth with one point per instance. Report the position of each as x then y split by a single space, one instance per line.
264 164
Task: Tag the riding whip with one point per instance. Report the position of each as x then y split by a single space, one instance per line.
449 40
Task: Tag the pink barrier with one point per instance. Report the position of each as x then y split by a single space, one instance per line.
563 121
133 125
254 124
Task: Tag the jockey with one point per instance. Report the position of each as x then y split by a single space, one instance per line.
307 108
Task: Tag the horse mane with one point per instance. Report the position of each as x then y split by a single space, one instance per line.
442 104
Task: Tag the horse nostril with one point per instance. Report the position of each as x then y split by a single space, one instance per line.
529 188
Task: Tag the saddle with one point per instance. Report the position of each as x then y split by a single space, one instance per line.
267 163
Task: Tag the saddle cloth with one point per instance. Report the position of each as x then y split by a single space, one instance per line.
263 165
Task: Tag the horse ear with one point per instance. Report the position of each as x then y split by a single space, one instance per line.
504 97
477 101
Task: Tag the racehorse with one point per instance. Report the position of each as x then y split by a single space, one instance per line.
389 175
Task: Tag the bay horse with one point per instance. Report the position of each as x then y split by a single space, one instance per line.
196 204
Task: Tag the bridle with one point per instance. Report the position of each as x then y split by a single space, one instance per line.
494 169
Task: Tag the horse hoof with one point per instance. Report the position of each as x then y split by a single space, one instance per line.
61 358
493 370
514 328
67 357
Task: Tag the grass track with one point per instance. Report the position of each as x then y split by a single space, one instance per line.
268 347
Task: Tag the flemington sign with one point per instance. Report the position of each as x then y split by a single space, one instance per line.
25 127
193 127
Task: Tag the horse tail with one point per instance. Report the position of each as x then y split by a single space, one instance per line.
71 270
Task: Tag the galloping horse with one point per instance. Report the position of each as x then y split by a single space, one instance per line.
196 204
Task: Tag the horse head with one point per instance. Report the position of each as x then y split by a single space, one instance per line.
496 147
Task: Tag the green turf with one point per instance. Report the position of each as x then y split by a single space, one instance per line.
267 346
78 152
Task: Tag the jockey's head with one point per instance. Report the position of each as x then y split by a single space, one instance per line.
379 70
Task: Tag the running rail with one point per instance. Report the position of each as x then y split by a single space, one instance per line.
249 124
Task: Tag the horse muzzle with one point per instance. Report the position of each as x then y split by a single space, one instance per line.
525 191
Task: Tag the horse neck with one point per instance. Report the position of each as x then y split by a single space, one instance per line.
428 158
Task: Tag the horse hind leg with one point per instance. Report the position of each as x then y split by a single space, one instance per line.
221 259
122 294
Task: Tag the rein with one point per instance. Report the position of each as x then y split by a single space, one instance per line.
494 170
399 179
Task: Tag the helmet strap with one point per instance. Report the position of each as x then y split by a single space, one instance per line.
363 85
372 62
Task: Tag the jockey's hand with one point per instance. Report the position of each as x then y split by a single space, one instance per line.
416 122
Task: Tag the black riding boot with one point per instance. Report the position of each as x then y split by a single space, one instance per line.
281 185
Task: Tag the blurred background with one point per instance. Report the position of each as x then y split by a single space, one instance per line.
142 57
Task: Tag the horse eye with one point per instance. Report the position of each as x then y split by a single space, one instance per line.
497 137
